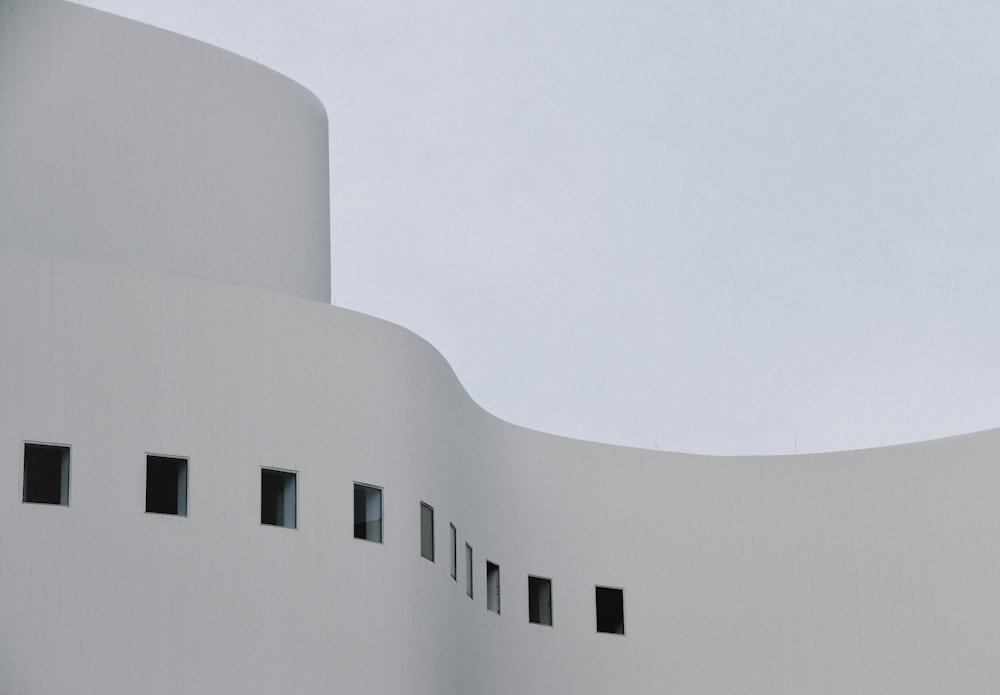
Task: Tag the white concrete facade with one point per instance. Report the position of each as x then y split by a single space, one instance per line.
855 572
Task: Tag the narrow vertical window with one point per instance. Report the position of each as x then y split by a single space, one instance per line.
46 474
277 498
454 552
468 569
492 587
610 610
427 531
539 600
368 513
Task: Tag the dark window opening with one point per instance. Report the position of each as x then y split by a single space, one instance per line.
539 600
468 570
367 513
610 610
166 485
427 531
277 498
46 474
492 587
454 552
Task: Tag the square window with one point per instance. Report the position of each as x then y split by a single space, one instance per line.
492 587
427 531
539 600
468 570
166 485
454 552
610 610
277 498
46 474
368 513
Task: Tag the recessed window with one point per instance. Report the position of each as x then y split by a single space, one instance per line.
492 587
454 552
277 498
610 610
166 485
46 474
539 600
427 531
468 570
368 513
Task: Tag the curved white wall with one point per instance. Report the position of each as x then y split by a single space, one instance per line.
122 143
856 572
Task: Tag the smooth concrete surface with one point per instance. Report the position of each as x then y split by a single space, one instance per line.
123 143
856 572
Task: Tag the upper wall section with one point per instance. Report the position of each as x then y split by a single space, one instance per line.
127 144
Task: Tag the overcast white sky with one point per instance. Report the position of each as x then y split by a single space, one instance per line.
710 226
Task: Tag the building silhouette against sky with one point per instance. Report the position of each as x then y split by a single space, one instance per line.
212 481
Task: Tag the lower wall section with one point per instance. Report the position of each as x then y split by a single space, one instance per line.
858 572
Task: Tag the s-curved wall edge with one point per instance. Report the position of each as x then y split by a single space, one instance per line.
852 572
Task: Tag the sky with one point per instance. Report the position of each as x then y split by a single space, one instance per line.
757 227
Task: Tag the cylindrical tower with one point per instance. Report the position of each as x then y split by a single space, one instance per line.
126 144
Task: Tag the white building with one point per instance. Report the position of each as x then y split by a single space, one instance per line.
192 438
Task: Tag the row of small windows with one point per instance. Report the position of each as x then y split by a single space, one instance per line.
609 601
46 481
